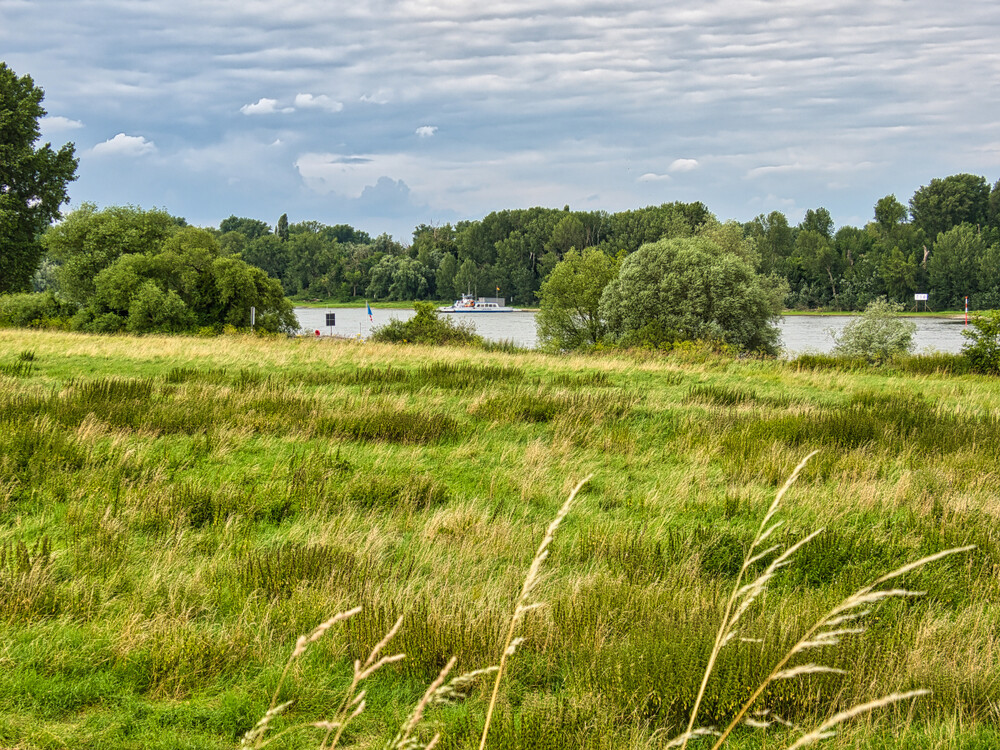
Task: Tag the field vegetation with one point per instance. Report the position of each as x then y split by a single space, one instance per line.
177 511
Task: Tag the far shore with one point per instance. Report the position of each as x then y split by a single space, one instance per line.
408 305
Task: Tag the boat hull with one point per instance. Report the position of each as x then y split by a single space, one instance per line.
467 310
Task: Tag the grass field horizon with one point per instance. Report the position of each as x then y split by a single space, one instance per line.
178 510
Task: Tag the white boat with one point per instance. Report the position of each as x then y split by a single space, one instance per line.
481 305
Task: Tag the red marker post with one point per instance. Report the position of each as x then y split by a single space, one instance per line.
966 311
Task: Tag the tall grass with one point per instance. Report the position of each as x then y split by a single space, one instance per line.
203 500
844 620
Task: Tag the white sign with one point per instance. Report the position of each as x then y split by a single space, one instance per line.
920 297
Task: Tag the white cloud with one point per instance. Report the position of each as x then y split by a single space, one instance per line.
381 96
426 131
776 98
56 124
683 165
308 101
263 106
125 145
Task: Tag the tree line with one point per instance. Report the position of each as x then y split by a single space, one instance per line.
945 242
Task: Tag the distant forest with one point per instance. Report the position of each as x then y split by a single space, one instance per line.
945 242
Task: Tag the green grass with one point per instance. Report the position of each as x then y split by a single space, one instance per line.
174 512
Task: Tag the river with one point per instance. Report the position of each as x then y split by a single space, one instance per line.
799 333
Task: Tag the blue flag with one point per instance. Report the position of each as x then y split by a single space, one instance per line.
369 311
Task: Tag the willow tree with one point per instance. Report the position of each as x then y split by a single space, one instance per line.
688 289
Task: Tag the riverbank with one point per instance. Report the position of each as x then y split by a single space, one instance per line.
404 305
178 510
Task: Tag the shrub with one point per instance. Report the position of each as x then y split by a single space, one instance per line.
983 343
878 335
426 328
41 310
154 311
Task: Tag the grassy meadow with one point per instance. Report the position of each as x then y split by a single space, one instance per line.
175 512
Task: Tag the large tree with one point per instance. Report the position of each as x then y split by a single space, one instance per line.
690 288
87 241
32 180
948 202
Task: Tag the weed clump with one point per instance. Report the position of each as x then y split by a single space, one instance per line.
27 582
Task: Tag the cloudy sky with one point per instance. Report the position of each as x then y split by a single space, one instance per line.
386 114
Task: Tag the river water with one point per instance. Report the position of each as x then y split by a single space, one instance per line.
799 333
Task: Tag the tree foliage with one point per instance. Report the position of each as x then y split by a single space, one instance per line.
948 202
690 289
569 315
88 240
982 345
129 269
32 179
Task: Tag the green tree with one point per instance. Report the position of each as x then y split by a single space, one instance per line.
268 253
313 259
878 334
688 289
468 278
982 346
445 277
153 276
426 327
409 280
899 274
731 237
952 266
567 234
116 285
32 180
819 258
948 202
154 311
993 206
818 221
249 228
988 274
232 243
240 287
774 241
281 231
569 315
889 213
87 241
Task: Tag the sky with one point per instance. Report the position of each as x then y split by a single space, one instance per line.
386 115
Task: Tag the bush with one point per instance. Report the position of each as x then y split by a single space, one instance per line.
878 335
41 310
982 345
154 311
426 328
